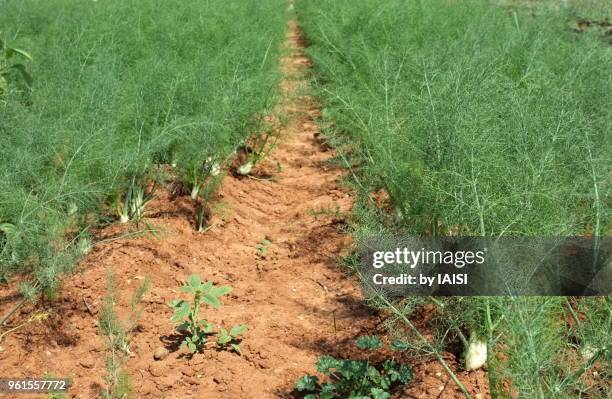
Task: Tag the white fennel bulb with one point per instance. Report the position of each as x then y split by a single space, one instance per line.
245 169
215 169
475 354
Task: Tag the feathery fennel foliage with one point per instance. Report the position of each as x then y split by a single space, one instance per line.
121 88
477 118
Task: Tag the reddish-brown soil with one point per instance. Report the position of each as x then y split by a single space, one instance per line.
297 301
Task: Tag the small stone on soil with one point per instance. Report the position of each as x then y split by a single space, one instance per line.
156 370
191 381
160 353
87 363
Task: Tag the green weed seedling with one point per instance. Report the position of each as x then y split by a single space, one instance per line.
263 247
230 338
8 67
199 331
369 342
355 378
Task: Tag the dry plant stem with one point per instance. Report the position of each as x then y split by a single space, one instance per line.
127 235
15 308
10 313
433 350
17 327
208 228
261 179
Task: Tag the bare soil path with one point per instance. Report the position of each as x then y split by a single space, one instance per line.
298 303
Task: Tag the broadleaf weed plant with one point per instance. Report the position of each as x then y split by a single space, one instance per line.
347 378
198 331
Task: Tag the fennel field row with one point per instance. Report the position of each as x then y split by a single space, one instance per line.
124 95
479 118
